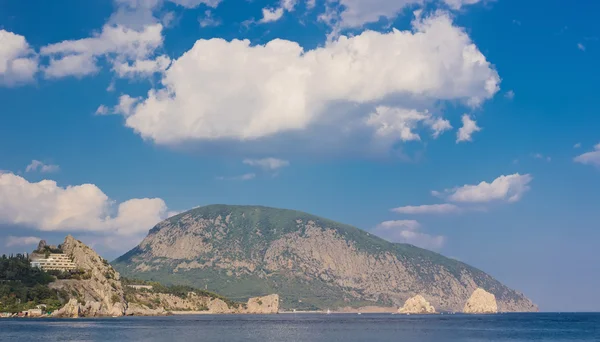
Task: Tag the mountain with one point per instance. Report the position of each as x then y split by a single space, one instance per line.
311 262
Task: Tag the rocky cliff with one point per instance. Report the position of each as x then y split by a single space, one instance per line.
313 263
99 293
417 305
481 302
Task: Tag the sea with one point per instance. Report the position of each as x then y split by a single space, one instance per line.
311 328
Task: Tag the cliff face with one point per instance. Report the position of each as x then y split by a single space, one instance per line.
313 263
101 294
481 302
163 303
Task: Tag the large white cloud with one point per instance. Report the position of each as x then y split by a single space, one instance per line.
18 62
119 43
504 188
590 158
231 90
48 207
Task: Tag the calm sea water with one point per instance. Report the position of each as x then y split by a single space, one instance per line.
310 327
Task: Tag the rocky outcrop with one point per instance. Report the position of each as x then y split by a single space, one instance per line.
263 305
99 293
417 305
481 302
314 263
144 303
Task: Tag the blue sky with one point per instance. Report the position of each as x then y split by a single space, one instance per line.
117 114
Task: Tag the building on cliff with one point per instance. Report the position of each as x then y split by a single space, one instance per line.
54 261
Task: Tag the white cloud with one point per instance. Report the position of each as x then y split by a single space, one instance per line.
578 145
271 14
48 207
116 42
18 62
356 13
590 158
468 128
274 14
208 20
125 105
407 231
581 47
102 110
510 95
142 67
541 156
12 241
504 188
72 65
400 123
196 3
231 90
458 4
267 163
445 208
244 177
37 165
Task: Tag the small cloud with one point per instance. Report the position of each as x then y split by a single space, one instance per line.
542 157
102 110
37 165
244 177
208 20
271 14
268 164
428 209
578 145
466 131
407 231
590 158
516 22
581 47
516 161
21 241
509 95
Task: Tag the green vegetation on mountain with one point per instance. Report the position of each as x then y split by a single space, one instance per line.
22 287
312 262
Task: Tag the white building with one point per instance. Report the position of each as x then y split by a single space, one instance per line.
55 261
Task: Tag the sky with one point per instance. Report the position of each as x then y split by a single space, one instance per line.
468 127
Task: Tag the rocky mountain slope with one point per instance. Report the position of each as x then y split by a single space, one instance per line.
99 292
313 263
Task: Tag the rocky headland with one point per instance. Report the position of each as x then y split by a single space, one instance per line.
100 292
311 262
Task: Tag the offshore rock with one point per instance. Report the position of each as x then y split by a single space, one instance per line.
481 302
417 305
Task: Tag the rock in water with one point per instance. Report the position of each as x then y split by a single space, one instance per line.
417 305
311 262
481 302
98 293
